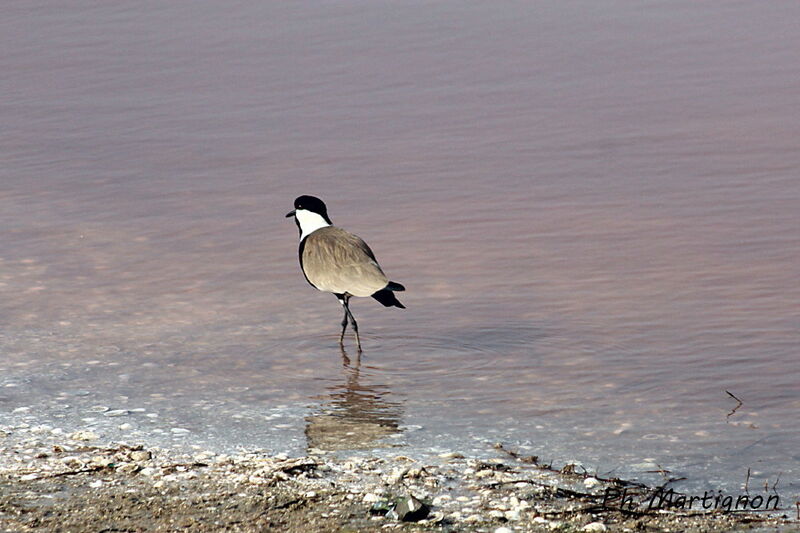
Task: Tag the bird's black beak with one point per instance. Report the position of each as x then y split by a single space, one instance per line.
290 213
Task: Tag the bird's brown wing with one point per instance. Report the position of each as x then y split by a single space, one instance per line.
337 261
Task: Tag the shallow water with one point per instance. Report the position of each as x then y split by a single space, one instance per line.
594 210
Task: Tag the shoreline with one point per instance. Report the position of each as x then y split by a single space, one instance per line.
74 484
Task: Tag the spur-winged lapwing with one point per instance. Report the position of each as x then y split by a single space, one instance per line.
334 260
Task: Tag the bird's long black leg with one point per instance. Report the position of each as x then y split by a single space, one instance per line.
352 320
343 301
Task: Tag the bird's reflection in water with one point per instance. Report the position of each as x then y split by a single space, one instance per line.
354 416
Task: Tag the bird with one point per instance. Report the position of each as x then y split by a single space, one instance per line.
336 261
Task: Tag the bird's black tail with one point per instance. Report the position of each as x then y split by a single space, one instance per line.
387 297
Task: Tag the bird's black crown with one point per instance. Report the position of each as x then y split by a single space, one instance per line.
311 203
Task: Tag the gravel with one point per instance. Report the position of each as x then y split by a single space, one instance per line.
53 482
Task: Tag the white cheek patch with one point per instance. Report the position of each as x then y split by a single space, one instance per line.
309 222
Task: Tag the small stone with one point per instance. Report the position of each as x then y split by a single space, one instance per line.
371 498
72 462
502 530
29 477
204 456
101 461
125 427
409 509
179 431
84 435
595 527
496 513
96 484
396 475
451 455
98 409
591 482
473 518
415 473
117 412
140 455
512 516
440 500
128 468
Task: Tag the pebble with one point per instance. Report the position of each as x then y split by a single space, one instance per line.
591 482
125 426
84 435
140 455
117 412
451 455
204 456
440 500
396 475
127 468
364 481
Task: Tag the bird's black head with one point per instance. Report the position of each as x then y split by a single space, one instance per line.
312 204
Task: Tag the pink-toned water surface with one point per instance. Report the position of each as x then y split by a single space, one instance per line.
595 208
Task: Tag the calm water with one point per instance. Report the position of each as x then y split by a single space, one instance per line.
594 209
